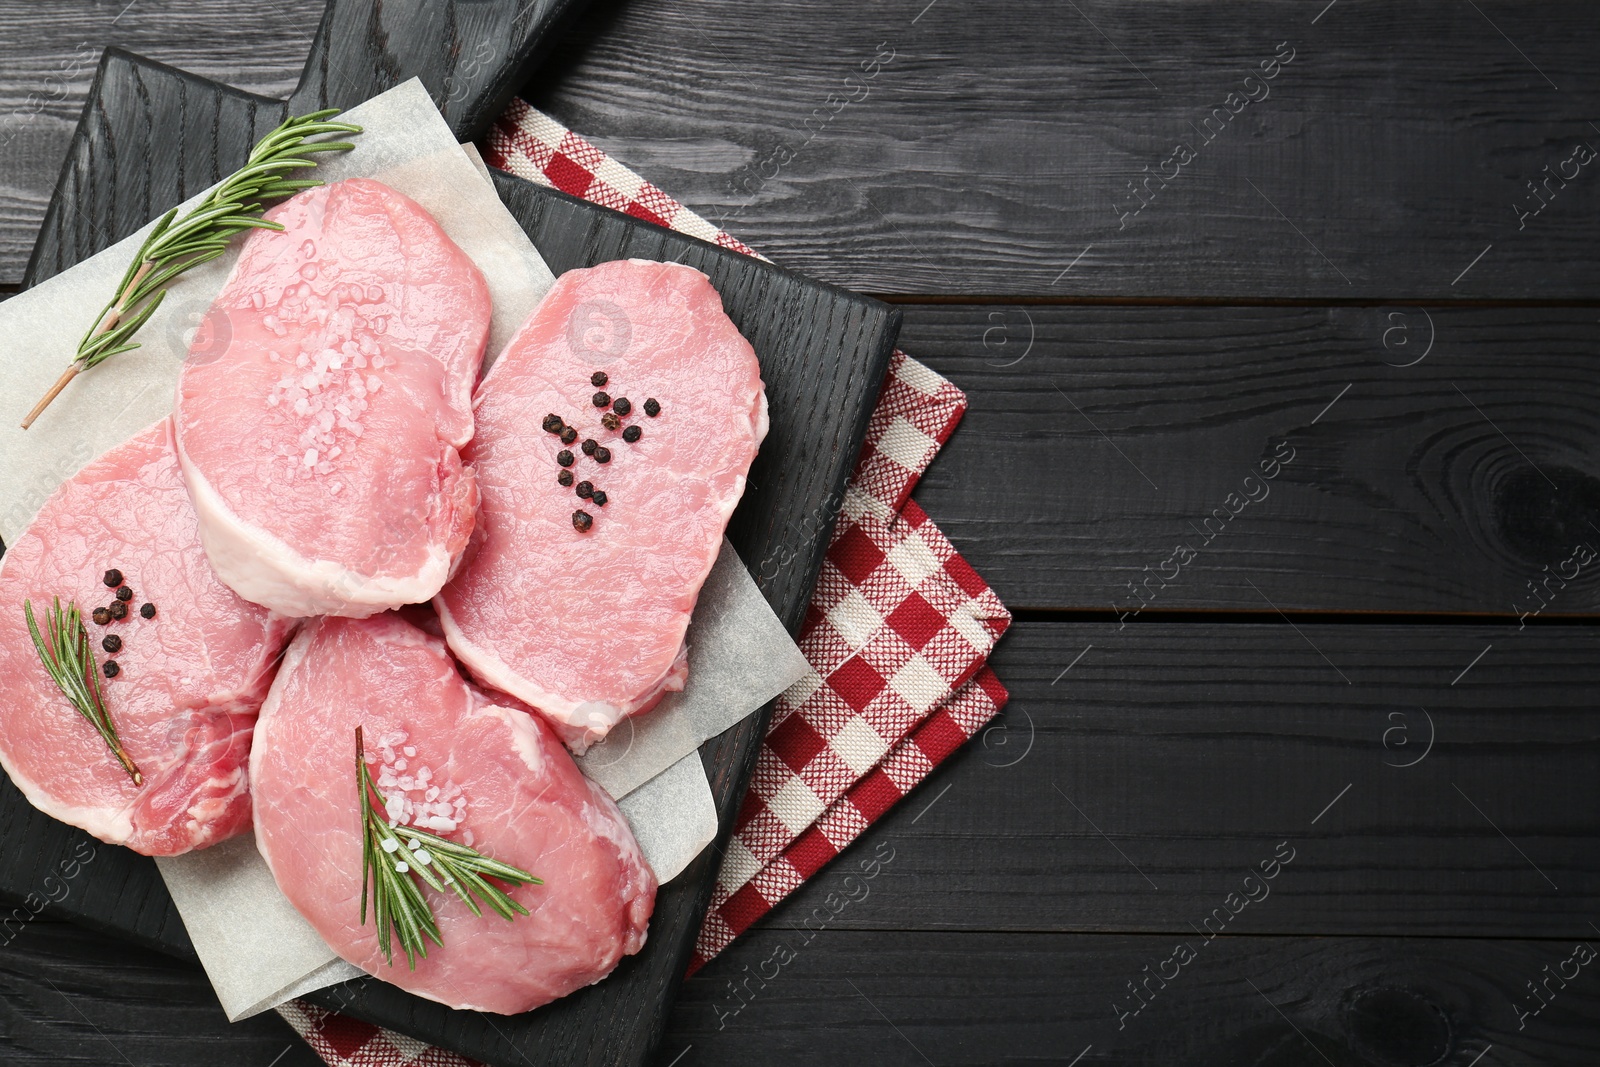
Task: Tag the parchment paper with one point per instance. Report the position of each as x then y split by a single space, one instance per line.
737 654
659 779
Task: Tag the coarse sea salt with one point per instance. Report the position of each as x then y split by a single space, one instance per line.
417 798
338 347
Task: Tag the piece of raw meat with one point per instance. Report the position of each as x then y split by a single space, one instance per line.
583 617
191 677
453 760
322 408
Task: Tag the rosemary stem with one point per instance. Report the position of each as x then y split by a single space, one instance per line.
108 322
127 761
173 247
55 390
115 315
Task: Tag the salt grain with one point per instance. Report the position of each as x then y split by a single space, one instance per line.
417 799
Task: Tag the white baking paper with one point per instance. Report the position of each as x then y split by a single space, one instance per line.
406 144
671 844
277 952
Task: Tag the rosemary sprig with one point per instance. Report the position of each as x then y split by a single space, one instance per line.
67 657
200 236
394 858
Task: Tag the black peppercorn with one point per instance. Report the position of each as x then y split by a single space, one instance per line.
111 668
584 489
599 498
652 407
565 477
553 423
581 521
598 378
118 609
564 458
101 616
589 445
622 405
113 578
632 434
112 643
124 593
601 400
148 611
568 435
611 420
602 454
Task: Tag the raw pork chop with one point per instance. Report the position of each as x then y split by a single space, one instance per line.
191 679
587 625
453 760
321 442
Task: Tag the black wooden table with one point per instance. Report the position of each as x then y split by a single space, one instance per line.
1279 325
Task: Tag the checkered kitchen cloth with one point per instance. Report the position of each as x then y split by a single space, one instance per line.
897 633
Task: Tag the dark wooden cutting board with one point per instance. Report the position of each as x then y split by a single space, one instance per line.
152 136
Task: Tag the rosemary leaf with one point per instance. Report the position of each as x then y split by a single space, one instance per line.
399 905
65 651
178 245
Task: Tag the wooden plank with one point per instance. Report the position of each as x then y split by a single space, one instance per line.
72 997
1099 440
48 60
925 997
1140 776
991 152
988 154
151 136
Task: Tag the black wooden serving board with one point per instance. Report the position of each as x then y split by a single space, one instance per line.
152 135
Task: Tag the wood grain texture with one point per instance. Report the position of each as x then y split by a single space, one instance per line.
470 55
989 153
985 157
48 56
73 998
997 145
1138 776
923 997
1099 440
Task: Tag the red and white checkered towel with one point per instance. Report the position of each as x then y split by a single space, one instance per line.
897 632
